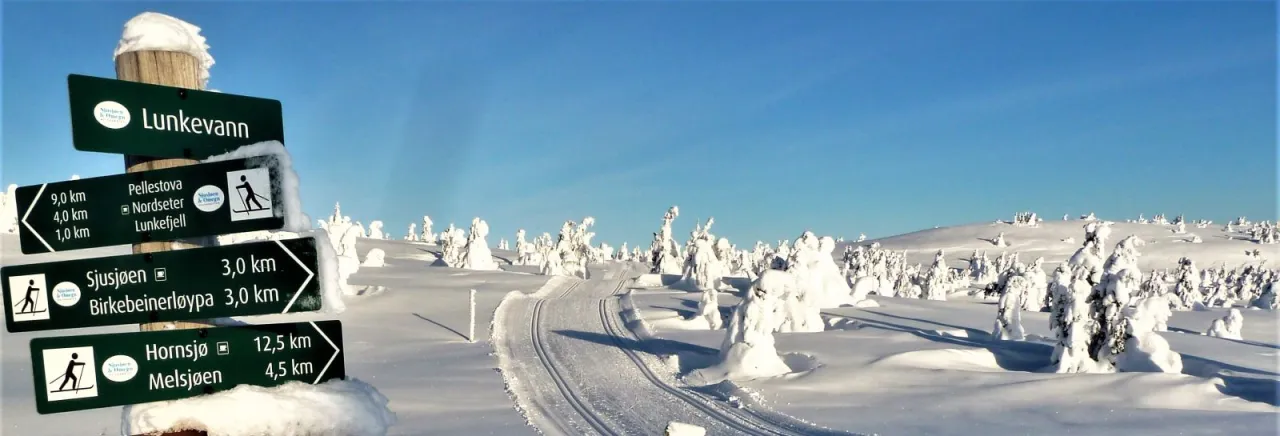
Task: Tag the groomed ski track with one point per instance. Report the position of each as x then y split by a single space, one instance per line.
575 369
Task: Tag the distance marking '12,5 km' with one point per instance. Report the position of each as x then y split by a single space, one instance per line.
93 371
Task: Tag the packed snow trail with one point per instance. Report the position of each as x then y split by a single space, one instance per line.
574 368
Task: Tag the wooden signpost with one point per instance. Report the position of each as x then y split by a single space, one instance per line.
156 114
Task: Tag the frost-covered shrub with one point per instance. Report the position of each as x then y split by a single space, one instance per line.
999 240
1228 327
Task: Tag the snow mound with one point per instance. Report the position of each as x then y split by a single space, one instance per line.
375 259
338 407
159 32
953 359
681 429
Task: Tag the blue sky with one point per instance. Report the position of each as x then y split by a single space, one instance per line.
836 117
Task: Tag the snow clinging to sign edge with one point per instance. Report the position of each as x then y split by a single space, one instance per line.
160 32
286 188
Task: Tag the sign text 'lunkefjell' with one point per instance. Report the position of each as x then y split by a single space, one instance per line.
192 201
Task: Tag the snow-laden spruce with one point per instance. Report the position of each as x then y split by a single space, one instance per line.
375 230
478 256
748 350
427 235
665 254
1110 298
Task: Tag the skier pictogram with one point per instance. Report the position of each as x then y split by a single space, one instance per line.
29 301
71 376
253 187
248 196
27 298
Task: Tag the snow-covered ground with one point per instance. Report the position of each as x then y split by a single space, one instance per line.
910 366
915 366
408 341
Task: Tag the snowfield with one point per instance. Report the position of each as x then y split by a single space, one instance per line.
612 353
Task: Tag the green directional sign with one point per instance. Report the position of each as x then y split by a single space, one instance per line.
93 371
255 278
192 201
116 116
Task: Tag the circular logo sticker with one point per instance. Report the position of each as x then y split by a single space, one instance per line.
119 368
111 115
66 294
208 198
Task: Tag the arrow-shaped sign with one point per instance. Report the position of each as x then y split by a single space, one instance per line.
88 372
255 278
161 205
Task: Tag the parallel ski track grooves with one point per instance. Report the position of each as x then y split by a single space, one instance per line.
593 420
733 421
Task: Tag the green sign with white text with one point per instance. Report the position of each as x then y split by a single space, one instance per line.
254 278
207 199
117 116
93 371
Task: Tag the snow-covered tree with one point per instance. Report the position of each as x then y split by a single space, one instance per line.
1228 327
1187 286
1144 349
1121 279
452 241
477 254
748 346
999 240
1037 297
665 254
412 235
375 230
936 283
427 235
1009 310
1074 326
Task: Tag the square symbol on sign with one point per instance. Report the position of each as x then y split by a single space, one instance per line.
124 209
28 298
70 373
161 275
223 348
252 194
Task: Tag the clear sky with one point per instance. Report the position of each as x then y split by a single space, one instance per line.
773 117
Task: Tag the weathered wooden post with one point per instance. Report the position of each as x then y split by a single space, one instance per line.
169 68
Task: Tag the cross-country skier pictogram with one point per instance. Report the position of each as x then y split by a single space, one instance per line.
71 376
29 301
248 196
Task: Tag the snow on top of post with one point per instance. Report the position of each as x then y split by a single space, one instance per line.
160 32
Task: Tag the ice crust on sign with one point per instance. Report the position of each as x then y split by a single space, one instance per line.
151 31
337 407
